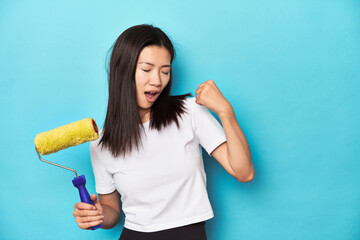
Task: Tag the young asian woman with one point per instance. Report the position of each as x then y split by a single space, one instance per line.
149 152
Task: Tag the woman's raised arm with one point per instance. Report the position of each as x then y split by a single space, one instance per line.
234 155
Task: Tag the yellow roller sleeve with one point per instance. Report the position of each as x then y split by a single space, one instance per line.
66 136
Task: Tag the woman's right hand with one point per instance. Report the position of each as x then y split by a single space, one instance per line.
87 215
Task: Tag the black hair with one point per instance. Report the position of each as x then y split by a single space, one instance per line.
123 126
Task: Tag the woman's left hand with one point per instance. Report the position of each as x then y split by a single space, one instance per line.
209 95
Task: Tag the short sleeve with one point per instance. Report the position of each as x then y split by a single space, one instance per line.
207 129
104 181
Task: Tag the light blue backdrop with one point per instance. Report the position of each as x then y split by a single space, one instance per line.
291 69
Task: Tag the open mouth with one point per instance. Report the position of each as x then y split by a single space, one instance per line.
151 96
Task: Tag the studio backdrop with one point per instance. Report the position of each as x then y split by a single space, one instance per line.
290 69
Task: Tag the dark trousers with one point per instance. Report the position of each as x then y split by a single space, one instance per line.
194 231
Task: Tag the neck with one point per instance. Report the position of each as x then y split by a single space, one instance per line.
144 114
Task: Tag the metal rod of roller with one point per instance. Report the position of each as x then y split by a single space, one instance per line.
70 169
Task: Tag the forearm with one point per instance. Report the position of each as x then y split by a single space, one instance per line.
111 217
238 151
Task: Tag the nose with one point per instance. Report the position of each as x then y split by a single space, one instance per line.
155 79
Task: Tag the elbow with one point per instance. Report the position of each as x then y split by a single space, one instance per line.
246 178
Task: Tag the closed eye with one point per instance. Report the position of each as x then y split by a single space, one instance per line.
166 73
145 70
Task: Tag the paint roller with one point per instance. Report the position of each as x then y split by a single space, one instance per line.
67 136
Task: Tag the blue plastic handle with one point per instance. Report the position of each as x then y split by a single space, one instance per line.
79 183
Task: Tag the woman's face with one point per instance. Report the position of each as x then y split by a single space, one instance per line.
152 74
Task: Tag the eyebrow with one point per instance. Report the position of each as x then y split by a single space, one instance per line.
154 65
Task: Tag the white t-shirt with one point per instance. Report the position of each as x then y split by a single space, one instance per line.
163 184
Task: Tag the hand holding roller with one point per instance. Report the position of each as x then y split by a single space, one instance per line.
64 137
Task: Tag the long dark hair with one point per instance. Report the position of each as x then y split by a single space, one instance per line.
122 127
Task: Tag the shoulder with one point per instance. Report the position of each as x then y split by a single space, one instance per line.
195 110
94 145
189 106
189 103
193 107
98 151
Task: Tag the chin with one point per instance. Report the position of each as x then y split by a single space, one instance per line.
145 106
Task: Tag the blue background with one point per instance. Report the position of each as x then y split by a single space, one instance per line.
291 70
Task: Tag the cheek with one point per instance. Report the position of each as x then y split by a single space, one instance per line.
138 84
165 82
140 80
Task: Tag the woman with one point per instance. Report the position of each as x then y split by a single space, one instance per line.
149 148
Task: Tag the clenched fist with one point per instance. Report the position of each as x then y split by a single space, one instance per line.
209 95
